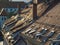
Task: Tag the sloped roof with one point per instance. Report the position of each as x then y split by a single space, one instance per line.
4 13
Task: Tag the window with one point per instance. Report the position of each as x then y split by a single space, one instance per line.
5 18
2 18
11 10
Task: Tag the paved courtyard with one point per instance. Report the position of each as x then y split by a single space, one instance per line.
1 43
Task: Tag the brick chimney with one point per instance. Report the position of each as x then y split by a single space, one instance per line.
35 2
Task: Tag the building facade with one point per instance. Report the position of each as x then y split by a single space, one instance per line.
3 17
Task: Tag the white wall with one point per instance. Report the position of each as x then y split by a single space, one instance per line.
22 0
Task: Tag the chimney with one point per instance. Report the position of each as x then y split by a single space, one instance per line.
35 2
